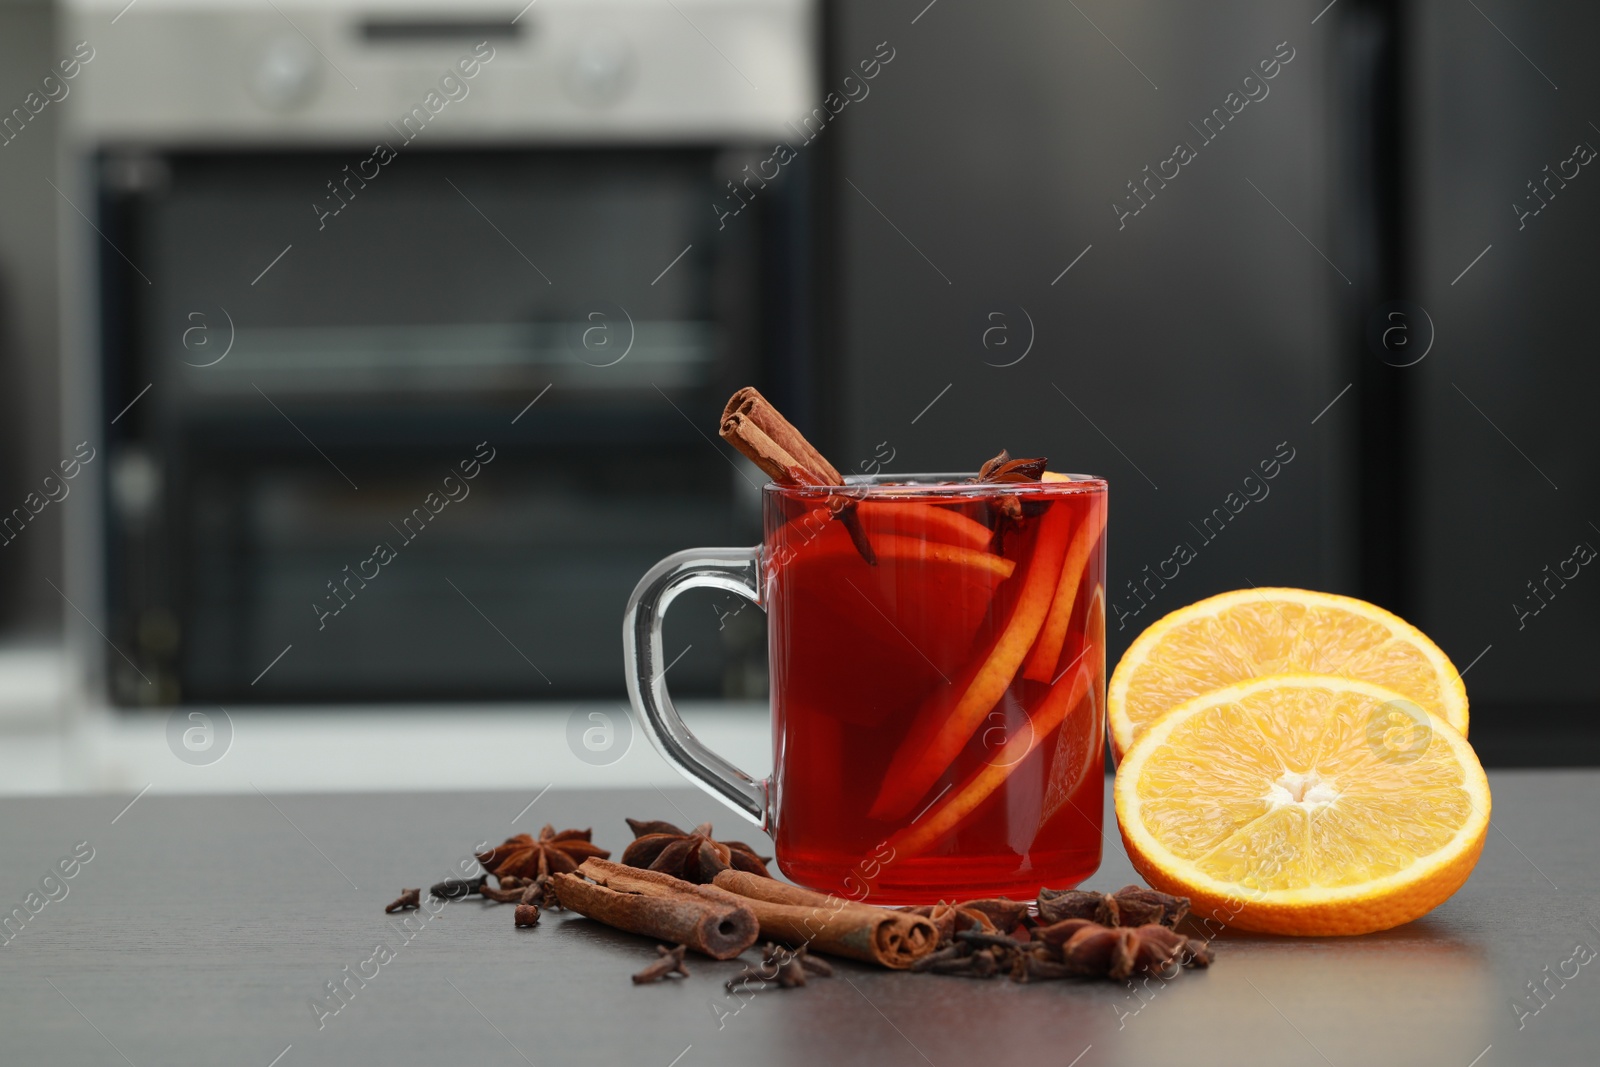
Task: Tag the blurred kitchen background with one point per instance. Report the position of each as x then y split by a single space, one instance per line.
270 272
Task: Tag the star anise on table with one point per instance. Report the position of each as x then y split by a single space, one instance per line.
525 856
1132 905
692 855
991 915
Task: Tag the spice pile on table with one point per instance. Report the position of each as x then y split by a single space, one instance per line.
686 891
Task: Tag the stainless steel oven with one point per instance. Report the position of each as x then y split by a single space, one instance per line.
407 324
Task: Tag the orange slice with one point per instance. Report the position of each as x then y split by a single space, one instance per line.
926 520
947 813
1304 804
918 612
1250 633
909 550
953 713
1083 736
1041 664
911 519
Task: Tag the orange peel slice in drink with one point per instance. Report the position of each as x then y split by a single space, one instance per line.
1046 654
948 812
913 519
949 718
903 548
930 521
1083 736
919 608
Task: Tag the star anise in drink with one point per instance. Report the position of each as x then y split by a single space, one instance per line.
525 856
1009 509
1002 468
692 855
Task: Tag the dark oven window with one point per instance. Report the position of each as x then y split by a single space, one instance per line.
278 495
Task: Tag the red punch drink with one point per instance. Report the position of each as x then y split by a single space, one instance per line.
939 712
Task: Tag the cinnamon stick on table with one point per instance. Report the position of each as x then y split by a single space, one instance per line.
771 442
833 925
709 920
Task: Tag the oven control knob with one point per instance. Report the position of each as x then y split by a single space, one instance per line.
601 70
285 75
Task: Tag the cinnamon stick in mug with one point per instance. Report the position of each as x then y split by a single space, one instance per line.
709 920
833 925
771 442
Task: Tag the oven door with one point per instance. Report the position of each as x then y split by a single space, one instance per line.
424 448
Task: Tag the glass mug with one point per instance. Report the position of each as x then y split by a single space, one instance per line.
938 712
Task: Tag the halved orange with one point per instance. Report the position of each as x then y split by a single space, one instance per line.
1249 633
1303 804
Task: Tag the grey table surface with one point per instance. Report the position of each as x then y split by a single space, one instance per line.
203 929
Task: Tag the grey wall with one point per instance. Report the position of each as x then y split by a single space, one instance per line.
1191 342
28 341
1509 469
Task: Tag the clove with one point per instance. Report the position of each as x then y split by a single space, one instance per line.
791 974
526 915
816 965
792 965
984 964
458 888
934 960
408 899
541 891
671 962
1037 967
503 895
784 967
749 974
985 939
1071 948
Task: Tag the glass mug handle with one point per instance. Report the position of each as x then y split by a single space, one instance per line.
733 570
